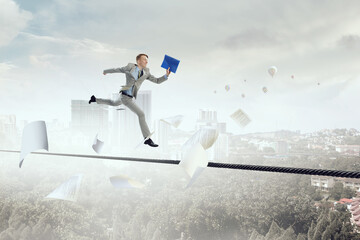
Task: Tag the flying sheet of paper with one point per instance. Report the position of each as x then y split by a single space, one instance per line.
173 121
68 190
97 145
34 138
206 136
142 142
170 62
197 173
194 158
125 182
241 118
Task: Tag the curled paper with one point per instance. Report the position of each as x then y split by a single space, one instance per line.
195 158
34 138
68 190
173 121
196 174
122 181
97 145
206 136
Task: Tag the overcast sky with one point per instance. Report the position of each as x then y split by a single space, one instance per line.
55 51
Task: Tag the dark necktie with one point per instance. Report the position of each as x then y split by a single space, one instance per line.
140 73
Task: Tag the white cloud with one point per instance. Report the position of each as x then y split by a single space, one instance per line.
72 46
12 20
5 67
44 61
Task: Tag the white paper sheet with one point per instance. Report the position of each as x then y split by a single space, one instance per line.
68 190
241 118
194 158
97 145
122 181
196 174
34 138
173 121
206 136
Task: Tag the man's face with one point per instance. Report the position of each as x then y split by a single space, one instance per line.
142 62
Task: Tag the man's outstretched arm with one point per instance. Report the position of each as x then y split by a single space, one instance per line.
118 70
160 79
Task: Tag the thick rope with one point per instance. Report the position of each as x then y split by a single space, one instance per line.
303 171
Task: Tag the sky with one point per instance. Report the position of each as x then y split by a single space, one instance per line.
54 51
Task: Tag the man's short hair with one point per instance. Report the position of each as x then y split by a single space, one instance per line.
141 54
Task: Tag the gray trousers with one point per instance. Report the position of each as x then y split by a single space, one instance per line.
131 104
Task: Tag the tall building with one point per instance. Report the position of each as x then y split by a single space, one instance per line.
162 132
8 131
89 119
126 126
115 126
220 149
206 118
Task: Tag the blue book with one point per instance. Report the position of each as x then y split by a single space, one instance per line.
170 62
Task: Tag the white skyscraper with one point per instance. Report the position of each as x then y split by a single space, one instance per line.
220 149
126 123
162 131
206 118
89 119
8 132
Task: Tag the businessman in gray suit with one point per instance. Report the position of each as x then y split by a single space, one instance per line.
135 76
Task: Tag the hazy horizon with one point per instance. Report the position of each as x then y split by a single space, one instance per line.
55 51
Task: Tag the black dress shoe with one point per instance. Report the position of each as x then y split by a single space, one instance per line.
92 99
150 143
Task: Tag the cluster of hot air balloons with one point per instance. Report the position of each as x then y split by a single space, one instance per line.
272 71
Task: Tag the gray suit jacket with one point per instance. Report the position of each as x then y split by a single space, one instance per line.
130 80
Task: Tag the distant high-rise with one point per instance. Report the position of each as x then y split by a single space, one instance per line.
89 118
8 131
127 123
115 126
220 149
206 118
162 131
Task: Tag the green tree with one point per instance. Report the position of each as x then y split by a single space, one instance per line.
311 231
337 191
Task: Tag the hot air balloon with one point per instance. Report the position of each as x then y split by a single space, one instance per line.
272 70
242 95
227 87
292 76
265 89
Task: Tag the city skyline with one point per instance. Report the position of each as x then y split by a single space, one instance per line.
48 58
